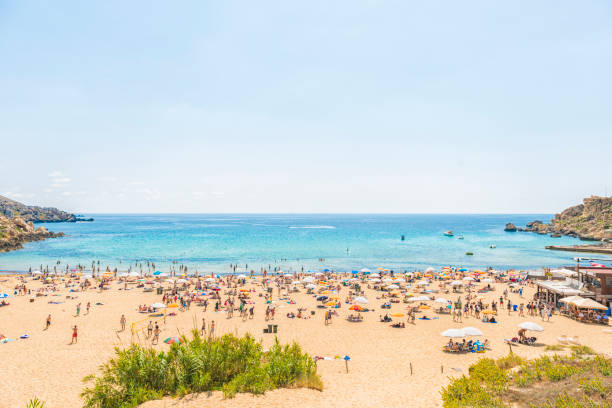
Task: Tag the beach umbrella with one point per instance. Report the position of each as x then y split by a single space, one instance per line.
331 303
375 275
487 280
172 340
354 272
133 274
397 315
365 270
356 308
456 283
419 299
453 333
308 279
468 278
531 326
570 299
182 281
209 279
424 307
441 300
393 286
156 273
3 295
589 304
37 273
310 286
387 280
362 300
463 270
158 305
488 311
173 305
472 331
430 270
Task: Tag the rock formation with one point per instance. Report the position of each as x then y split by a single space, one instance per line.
11 208
510 227
16 231
591 220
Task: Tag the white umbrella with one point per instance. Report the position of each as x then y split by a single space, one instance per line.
37 273
308 279
122 274
361 299
310 286
472 331
296 282
387 280
375 275
419 299
209 279
319 274
531 326
456 283
429 270
242 276
468 278
441 300
181 281
393 286
158 305
589 304
453 333
570 299
487 280
365 270
288 275
422 283
133 274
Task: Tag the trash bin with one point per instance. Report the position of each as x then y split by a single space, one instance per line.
160 291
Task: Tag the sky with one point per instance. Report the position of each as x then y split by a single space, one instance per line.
306 106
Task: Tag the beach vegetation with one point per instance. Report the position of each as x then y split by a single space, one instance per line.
582 379
228 363
35 403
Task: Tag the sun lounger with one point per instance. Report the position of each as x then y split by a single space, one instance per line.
574 340
562 339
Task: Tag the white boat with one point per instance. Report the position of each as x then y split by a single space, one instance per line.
449 233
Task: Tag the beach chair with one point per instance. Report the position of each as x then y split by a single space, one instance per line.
574 340
562 339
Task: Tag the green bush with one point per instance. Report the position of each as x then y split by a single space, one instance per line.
228 363
35 403
593 386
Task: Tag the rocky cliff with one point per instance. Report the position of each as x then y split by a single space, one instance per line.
11 209
16 231
591 220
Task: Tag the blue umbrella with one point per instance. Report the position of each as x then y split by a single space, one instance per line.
325 270
3 295
157 273
354 272
463 270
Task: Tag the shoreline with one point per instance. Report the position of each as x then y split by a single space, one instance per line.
581 248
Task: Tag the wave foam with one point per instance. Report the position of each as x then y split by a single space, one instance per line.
312 227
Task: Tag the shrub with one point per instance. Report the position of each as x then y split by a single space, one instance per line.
228 363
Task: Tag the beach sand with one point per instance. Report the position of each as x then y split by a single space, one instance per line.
47 366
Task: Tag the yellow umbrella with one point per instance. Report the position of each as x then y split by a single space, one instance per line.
397 315
173 305
330 304
424 307
488 311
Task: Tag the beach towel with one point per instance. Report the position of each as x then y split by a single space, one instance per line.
24 336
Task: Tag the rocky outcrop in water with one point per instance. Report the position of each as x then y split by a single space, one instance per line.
30 213
510 227
14 232
591 220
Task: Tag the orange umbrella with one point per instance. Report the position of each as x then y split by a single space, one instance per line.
356 308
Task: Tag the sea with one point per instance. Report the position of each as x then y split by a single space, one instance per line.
294 242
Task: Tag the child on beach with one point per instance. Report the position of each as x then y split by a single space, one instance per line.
122 322
78 309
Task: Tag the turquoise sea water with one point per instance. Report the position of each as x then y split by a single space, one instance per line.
345 242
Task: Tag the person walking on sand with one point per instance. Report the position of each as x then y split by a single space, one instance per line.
48 322
212 329
156 333
150 329
203 329
75 335
78 309
122 322
88 307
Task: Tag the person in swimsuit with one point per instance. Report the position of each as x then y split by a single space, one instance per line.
75 335
156 334
48 323
203 330
122 322
149 329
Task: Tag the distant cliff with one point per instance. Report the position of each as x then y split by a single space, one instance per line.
591 220
14 232
12 209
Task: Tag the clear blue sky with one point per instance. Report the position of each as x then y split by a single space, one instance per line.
313 106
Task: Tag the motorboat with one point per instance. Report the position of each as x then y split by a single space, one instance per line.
449 233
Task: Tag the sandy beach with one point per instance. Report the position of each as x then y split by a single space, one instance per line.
47 366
